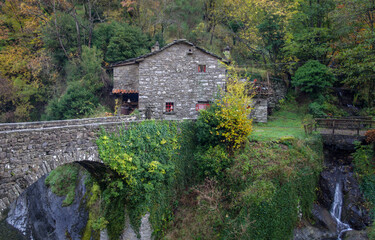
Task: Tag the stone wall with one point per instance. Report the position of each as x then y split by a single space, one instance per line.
28 153
260 110
126 77
172 76
280 90
60 123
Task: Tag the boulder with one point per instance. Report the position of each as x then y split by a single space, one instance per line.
323 218
309 232
355 235
354 211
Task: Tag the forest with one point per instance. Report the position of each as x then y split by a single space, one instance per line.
54 54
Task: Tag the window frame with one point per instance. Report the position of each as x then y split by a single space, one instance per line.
200 66
202 105
169 107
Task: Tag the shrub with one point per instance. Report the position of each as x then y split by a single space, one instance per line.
78 101
62 182
213 162
144 157
207 127
370 136
228 120
313 77
363 160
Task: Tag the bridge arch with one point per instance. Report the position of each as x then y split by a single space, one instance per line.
30 150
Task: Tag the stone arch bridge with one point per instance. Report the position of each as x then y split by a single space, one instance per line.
31 150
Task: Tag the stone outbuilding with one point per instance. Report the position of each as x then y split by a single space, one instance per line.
173 82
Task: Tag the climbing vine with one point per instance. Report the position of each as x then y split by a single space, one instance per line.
143 158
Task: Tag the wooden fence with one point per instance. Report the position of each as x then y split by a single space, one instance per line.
350 124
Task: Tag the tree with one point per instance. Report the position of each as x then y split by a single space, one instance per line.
120 41
355 61
311 31
313 77
86 79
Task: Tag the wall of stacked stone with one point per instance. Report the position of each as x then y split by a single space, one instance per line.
28 154
280 90
172 76
71 122
259 113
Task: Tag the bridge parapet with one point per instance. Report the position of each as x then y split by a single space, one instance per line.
58 123
26 154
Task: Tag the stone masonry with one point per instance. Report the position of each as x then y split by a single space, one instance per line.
171 76
31 150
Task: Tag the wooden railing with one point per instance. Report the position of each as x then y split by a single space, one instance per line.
263 89
352 124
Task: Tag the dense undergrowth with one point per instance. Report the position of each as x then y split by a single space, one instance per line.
62 182
194 187
363 159
152 161
268 187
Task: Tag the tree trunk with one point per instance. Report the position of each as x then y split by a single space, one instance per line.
57 30
79 45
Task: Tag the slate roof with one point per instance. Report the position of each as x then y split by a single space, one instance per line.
140 58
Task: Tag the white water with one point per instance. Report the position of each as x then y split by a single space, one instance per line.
336 212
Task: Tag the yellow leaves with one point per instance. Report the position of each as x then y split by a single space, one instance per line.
163 142
153 166
234 110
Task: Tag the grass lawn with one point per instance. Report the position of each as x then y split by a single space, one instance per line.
286 122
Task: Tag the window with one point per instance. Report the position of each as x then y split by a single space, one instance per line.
169 107
201 105
201 68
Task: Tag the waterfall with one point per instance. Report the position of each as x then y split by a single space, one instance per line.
336 212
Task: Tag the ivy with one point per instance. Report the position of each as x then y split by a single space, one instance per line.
143 158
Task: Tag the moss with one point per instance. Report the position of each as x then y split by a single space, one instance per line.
93 205
63 181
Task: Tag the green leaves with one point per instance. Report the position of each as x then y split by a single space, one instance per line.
313 77
120 41
144 156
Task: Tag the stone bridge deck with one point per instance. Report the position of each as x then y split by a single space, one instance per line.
31 150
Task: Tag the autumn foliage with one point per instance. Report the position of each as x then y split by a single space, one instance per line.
370 136
227 121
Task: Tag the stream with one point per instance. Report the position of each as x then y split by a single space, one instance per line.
336 211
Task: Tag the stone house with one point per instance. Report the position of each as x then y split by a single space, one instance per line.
173 82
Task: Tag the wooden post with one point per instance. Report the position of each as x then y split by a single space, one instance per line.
358 127
333 127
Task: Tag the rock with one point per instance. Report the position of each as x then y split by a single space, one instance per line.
323 218
355 235
354 211
38 213
145 230
327 186
104 235
309 232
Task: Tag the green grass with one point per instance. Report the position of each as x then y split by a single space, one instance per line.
62 182
286 122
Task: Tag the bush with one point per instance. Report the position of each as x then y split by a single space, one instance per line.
81 96
313 77
144 157
75 103
228 120
325 107
207 127
62 182
363 160
213 162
